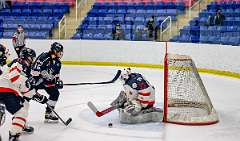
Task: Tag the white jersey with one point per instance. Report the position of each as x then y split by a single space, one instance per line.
3 70
13 80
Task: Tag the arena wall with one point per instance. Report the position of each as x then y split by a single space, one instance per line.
216 59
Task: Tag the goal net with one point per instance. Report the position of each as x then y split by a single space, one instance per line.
186 100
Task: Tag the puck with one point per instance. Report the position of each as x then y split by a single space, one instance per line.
110 125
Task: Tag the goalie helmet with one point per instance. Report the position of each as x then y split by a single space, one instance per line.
125 74
2 114
3 57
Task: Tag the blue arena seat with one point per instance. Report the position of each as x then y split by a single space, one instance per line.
130 15
42 16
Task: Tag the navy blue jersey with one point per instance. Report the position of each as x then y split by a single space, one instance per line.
136 81
46 63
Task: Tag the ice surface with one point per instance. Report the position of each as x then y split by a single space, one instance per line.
223 91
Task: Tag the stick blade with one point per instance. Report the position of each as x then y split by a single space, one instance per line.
68 121
92 107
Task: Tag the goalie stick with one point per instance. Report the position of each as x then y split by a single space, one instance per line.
110 109
104 82
100 113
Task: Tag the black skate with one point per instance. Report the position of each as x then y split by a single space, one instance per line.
28 129
14 137
50 117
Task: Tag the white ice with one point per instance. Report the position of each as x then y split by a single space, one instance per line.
223 91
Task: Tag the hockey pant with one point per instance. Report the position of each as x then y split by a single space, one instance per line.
18 108
53 94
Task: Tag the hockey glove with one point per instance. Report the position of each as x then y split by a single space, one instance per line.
26 98
30 83
59 84
132 109
120 100
40 98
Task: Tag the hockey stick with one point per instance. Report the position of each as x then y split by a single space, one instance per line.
64 122
100 113
104 82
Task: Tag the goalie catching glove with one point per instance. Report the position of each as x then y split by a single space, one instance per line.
120 100
40 98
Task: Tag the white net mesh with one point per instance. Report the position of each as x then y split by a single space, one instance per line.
187 98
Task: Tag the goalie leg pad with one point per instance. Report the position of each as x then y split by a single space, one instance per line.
143 117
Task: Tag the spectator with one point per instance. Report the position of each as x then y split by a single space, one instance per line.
151 27
138 33
18 39
131 29
219 18
2 4
9 3
210 21
116 21
117 32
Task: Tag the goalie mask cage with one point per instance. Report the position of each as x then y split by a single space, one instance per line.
186 100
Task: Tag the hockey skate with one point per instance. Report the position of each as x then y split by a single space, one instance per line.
50 117
14 137
28 129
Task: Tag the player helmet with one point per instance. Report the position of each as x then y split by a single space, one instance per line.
28 54
56 47
3 57
125 74
2 114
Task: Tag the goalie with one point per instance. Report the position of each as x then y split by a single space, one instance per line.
136 102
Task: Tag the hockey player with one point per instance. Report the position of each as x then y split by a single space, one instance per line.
3 59
2 116
46 71
136 102
16 90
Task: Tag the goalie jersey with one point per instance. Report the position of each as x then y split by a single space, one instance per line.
139 89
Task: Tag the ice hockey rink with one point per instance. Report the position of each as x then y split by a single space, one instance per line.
223 92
